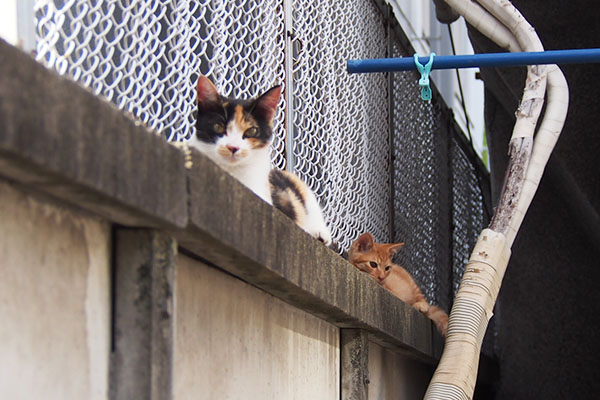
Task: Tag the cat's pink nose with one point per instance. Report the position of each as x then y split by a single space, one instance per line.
232 149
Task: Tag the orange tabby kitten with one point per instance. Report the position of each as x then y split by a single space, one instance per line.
376 260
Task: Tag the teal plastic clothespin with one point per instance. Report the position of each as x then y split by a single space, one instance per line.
424 81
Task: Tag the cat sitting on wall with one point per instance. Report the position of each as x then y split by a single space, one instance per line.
376 260
236 134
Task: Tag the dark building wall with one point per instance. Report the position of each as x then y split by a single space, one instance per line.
550 298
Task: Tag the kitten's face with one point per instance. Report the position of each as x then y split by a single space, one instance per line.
230 130
373 258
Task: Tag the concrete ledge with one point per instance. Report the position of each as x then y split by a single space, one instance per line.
59 139
235 230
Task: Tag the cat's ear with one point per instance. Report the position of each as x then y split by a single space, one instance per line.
266 105
363 243
207 93
394 247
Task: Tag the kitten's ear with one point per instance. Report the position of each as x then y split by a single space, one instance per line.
394 247
207 93
266 105
363 243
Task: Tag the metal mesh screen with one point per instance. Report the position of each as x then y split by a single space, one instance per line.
419 220
145 56
341 133
340 130
468 216
438 203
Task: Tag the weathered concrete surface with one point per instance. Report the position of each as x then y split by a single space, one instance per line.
142 361
234 341
54 300
355 364
62 140
394 377
236 230
57 138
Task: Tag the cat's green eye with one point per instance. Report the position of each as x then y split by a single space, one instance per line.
373 264
219 128
251 132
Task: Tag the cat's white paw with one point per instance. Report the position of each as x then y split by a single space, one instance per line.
314 223
324 236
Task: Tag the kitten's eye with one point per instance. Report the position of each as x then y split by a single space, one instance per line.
388 268
219 128
251 132
373 264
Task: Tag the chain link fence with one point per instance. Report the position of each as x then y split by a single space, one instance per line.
340 121
378 158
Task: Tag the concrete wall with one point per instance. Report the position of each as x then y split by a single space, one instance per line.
233 341
394 376
54 300
102 292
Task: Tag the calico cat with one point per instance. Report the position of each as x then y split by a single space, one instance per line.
376 260
236 134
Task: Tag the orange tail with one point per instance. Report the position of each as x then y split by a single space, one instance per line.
439 318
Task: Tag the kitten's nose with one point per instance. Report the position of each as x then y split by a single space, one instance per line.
232 149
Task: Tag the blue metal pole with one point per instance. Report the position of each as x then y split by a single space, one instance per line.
577 56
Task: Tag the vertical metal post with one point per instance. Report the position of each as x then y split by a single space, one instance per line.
289 85
17 23
26 25
390 51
